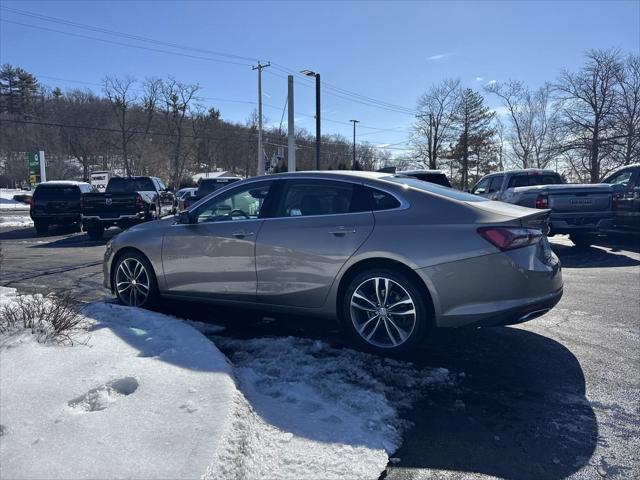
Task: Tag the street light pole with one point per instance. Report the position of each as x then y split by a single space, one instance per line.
310 73
260 152
354 142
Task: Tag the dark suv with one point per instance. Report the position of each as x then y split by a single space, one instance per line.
57 202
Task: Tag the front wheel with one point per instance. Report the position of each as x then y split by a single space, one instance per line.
134 281
42 227
385 311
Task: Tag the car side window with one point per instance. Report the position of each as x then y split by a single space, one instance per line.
239 204
496 184
519 181
621 179
303 198
382 200
482 186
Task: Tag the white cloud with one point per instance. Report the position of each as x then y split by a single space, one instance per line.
479 79
501 111
439 56
491 82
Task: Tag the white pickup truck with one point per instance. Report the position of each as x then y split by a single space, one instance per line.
576 209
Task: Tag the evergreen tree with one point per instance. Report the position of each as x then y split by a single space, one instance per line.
472 120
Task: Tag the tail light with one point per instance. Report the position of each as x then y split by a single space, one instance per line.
138 202
542 201
508 238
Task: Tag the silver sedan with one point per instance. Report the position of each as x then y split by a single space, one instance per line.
390 256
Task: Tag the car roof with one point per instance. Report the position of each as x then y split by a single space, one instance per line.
413 172
63 182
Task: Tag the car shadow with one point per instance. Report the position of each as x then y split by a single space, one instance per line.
520 411
600 255
76 241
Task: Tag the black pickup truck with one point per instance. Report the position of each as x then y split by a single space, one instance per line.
127 201
205 187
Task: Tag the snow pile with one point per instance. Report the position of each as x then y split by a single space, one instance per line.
145 396
16 221
320 412
8 203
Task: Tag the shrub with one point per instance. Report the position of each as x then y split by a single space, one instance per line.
54 318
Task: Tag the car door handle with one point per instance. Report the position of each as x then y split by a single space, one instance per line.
242 234
341 231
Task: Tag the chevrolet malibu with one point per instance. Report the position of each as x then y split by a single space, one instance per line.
391 256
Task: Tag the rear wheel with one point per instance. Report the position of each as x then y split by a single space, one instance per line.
581 240
134 281
94 231
385 311
42 226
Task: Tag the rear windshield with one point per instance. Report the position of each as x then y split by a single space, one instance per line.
533 180
433 188
437 178
56 192
130 185
208 186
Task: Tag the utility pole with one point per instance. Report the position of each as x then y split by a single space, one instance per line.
291 161
354 142
259 67
430 138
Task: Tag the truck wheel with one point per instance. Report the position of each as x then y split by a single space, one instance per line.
94 231
41 226
581 240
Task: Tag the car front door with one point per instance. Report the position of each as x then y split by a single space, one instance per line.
626 192
215 255
482 187
317 226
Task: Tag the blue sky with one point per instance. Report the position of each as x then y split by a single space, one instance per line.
390 51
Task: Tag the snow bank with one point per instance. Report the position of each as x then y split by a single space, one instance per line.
8 203
16 221
317 411
145 396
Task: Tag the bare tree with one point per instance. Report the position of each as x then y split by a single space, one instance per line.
433 125
177 98
120 93
588 106
628 109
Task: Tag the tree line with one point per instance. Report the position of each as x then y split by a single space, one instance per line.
149 127
584 123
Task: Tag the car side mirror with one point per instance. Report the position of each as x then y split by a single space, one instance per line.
185 217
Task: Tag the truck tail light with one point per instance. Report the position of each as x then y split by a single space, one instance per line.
508 238
138 202
542 201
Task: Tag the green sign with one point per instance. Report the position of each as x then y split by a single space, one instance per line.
33 161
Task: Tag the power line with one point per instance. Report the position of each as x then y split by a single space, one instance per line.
329 88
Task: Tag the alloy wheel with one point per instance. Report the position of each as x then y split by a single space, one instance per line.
383 312
132 282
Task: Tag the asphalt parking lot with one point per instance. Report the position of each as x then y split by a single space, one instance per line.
556 397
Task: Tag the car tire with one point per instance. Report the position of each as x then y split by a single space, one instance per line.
95 232
581 240
41 226
134 281
384 323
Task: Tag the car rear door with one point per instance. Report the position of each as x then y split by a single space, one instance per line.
216 254
317 226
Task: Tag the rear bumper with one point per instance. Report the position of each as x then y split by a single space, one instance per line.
573 223
55 217
116 220
520 314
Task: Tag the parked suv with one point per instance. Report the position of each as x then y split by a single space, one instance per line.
57 202
626 198
576 209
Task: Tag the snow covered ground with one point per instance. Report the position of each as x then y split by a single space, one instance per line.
8 203
145 395
16 221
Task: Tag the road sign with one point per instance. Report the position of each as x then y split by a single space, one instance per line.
36 165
